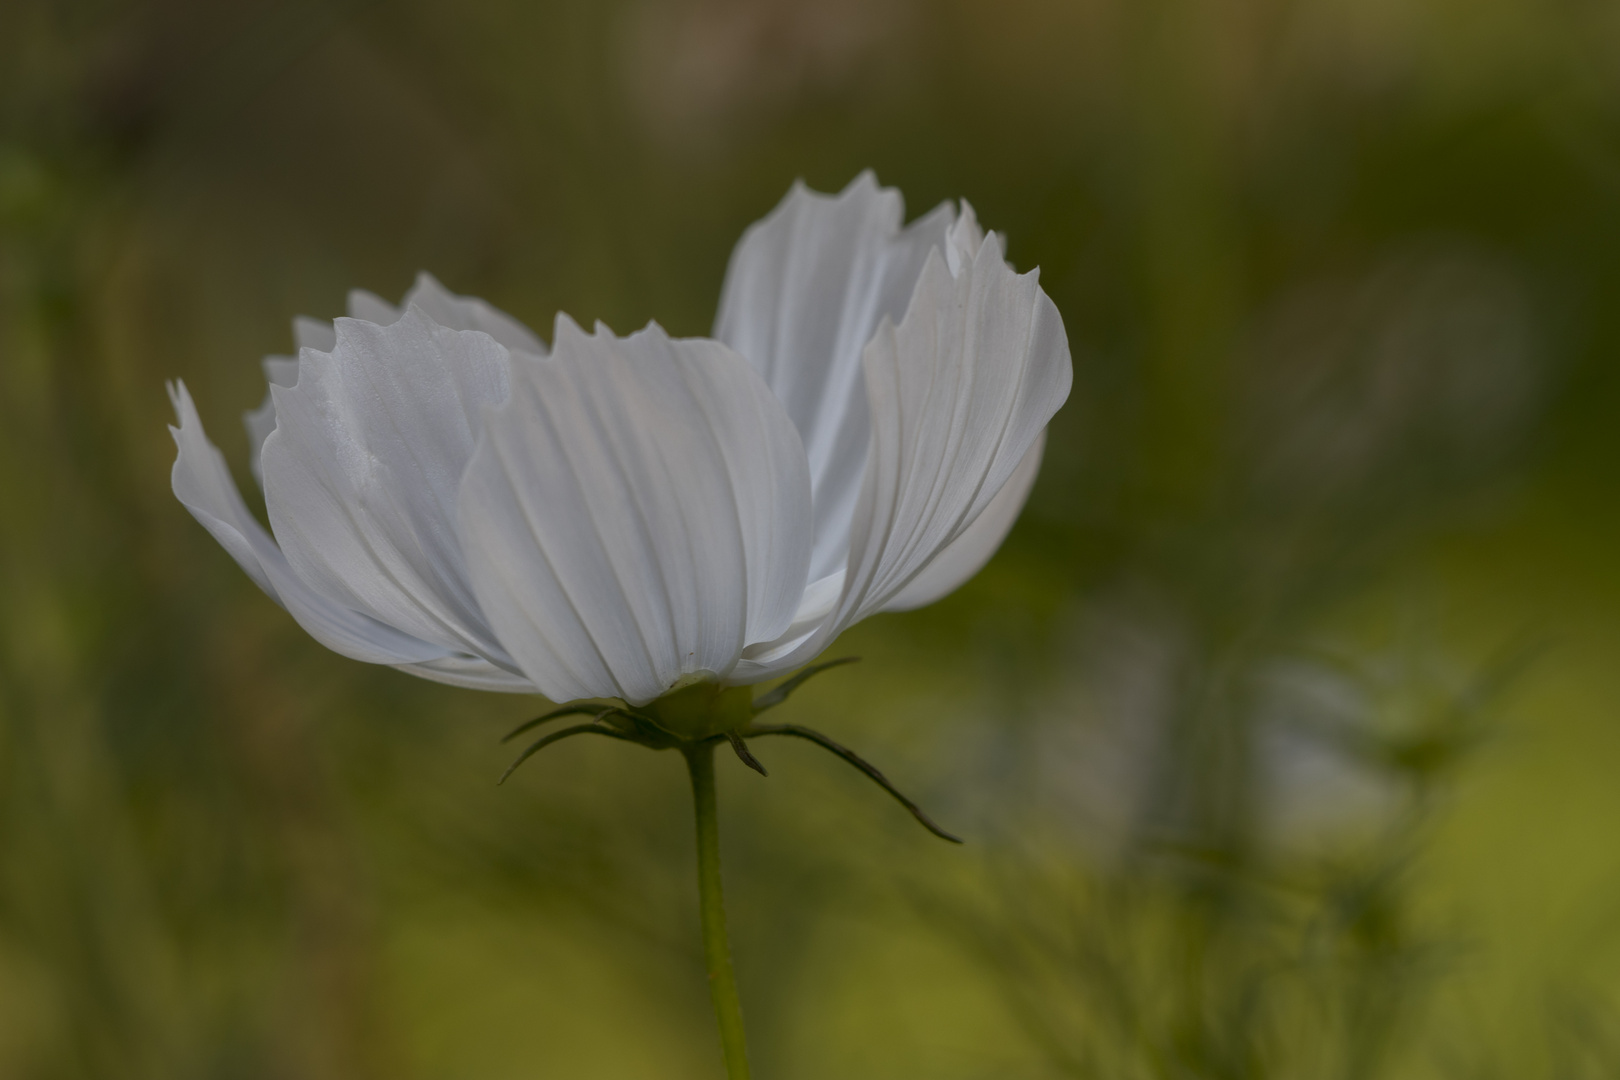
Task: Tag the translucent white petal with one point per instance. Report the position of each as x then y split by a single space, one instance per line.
960 392
317 334
369 307
471 673
967 554
260 423
362 470
964 239
637 512
204 486
470 313
805 290
440 305
443 307
278 371
766 659
283 370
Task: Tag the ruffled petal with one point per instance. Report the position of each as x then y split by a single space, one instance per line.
204 486
638 512
964 238
470 313
260 422
805 290
369 307
362 470
320 335
967 554
440 305
960 392
445 308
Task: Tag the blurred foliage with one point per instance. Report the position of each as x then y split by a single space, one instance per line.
1283 730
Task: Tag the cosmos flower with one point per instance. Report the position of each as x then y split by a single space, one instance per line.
616 517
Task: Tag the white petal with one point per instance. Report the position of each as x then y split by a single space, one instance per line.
362 470
203 484
805 290
959 394
260 423
369 307
315 334
283 370
637 512
471 673
447 309
767 659
440 304
967 554
965 238
470 313
278 371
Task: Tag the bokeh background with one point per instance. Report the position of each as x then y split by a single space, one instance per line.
1285 729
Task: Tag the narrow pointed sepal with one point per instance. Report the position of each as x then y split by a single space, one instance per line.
781 692
592 710
870 771
745 755
595 728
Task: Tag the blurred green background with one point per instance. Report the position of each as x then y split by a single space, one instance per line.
1285 730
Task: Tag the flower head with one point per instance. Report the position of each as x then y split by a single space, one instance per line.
620 517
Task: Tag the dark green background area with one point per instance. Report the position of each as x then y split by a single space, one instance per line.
1285 729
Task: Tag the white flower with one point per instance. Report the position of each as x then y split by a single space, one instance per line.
617 516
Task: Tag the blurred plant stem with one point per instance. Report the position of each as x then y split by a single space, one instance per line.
711 902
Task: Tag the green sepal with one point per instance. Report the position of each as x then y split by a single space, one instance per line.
582 709
745 755
566 733
780 692
866 768
700 710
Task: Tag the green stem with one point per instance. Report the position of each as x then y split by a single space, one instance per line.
716 951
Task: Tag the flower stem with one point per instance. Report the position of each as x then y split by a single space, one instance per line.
716 950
